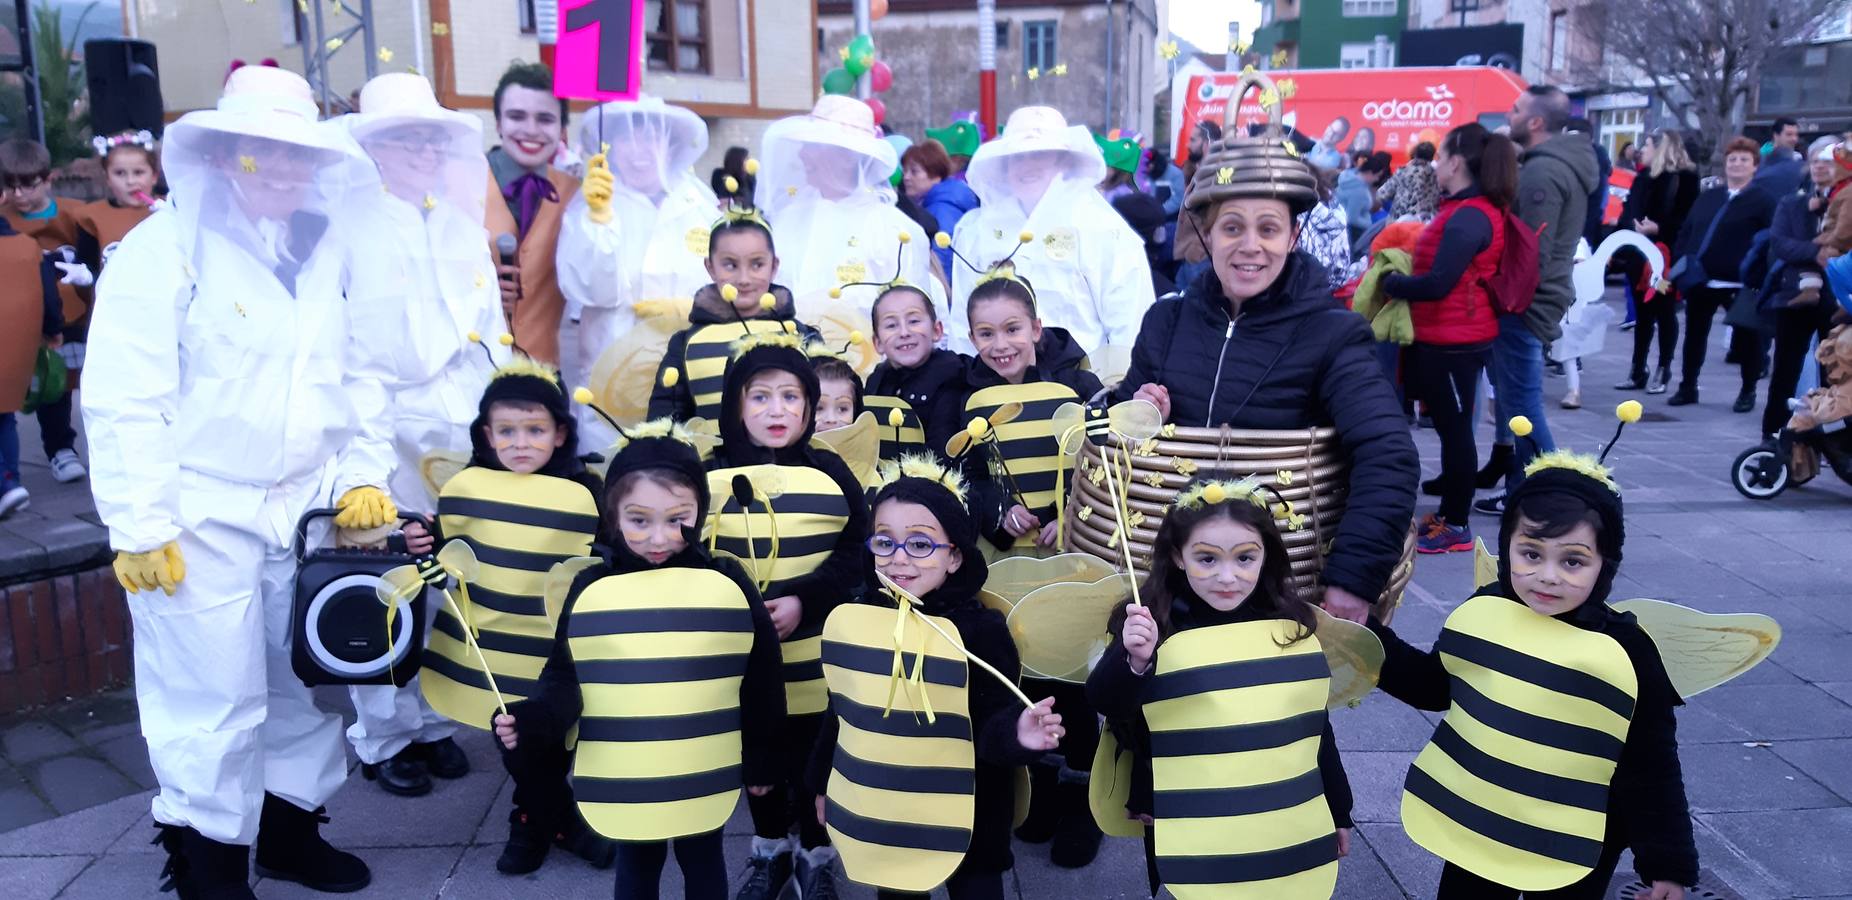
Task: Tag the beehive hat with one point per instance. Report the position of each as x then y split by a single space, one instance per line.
1242 166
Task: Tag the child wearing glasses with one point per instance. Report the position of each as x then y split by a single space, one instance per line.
25 174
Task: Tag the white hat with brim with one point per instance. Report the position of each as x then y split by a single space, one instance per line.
397 99
260 102
839 122
687 133
1041 129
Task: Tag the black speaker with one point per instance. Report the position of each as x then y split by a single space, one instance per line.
125 86
339 632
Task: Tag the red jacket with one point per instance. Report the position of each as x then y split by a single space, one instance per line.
1465 315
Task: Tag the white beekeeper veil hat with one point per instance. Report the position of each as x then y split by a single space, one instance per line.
834 152
1045 133
652 143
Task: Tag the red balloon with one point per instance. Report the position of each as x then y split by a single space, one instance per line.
879 109
880 77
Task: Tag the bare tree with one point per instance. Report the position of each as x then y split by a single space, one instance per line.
1703 58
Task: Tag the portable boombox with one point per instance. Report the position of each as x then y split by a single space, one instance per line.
339 632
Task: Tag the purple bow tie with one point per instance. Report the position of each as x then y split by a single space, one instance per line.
524 195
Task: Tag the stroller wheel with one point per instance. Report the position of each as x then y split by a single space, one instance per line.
1759 473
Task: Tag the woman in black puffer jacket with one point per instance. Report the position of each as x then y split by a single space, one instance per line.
1259 342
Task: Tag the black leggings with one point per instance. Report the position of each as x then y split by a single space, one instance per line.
790 802
1701 307
1793 330
1458 884
1446 377
1658 314
962 885
704 868
539 770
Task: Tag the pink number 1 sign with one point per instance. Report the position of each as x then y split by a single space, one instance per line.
600 55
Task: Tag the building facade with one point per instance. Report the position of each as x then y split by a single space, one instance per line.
1109 50
1330 34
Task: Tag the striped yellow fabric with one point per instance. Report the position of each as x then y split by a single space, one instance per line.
1030 445
1513 786
808 513
1238 800
519 526
660 656
910 437
704 362
902 790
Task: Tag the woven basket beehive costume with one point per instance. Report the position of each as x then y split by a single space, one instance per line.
1316 477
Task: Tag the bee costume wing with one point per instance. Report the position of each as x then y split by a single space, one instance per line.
439 466
1060 629
859 445
1355 655
625 372
1703 650
559 582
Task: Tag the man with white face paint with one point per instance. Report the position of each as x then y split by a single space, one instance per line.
635 236
422 285
223 401
823 183
1089 268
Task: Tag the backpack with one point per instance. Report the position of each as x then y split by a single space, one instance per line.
1512 285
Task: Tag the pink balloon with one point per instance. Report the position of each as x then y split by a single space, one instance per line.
879 109
880 77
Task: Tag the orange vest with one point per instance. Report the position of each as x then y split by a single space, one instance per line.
536 315
22 308
58 231
107 222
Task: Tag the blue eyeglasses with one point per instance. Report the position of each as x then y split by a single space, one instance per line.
917 546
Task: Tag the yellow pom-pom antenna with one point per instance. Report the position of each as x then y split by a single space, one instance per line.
732 184
582 396
895 419
752 166
1520 426
942 240
768 302
1214 493
906 238
506 340
729 293
835 293
671 376
856 337
1026 236
1629 411
977 428
474 337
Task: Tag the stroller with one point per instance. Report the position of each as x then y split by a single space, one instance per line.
1817 429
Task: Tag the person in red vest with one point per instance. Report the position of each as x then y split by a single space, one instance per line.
1455 322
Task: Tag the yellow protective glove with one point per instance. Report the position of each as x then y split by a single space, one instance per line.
363 508
596 188
161 568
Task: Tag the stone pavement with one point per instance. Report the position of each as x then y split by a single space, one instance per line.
1765 757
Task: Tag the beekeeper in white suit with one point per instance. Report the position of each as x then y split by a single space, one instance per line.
423 299
823 184
1089 268
221 404
635 234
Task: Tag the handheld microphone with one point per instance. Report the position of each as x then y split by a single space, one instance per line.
507 246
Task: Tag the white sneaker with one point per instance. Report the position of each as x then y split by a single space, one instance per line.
15 498
66 467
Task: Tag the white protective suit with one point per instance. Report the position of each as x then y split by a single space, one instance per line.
422 282
1089 268
823 185
222 402
653 248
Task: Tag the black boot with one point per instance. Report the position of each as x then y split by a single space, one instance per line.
1634 382
1496 468
402 774
290 848
1077 836
199 868
1044 809
442 758
581 841
1431 487
528 842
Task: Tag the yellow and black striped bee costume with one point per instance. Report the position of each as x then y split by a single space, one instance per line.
699 353
1236 714
519 526
902 430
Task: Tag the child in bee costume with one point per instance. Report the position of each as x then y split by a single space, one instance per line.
742 300
795 514
423 288
916 390
523 504
668 664
1559 748
1217 678
636 233
913 765
222 403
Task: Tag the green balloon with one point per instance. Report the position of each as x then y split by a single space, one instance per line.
838 81
861 55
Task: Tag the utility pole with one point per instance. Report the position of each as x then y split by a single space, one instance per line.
28 72
987 65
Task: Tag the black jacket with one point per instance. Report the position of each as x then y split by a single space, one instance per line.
1790 247
1295 358
1666 199
992 709
544 719
677 401
1748 213
1647 809
1058 359
1118 693
935 389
